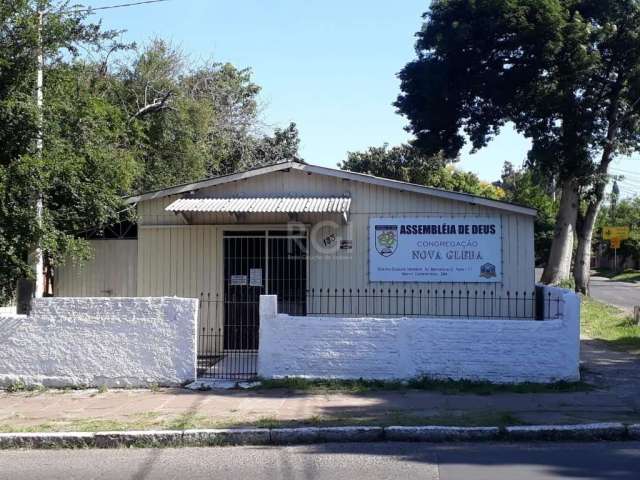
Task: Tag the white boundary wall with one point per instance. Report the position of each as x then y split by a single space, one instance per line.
501 351
117 342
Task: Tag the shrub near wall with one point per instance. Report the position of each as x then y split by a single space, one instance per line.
116 342
501 351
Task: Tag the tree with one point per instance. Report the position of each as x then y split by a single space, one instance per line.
625 213
88 162
407 164
190 122
566 73
116 122
401 162
282 146
526 187
79 176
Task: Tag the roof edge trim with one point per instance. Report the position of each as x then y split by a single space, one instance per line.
333 172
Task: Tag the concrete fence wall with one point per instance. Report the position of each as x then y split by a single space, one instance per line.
501 351
117 342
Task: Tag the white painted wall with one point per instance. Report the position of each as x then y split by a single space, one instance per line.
501 351
117 342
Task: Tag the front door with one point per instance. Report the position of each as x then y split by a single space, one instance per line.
244 268
256 263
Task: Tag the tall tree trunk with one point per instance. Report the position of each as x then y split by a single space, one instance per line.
582 267
582 264
558 266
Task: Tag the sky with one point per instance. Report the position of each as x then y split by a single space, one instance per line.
329 66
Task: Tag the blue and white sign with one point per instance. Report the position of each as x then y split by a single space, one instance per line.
435 249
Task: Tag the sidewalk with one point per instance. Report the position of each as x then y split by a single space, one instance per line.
616 397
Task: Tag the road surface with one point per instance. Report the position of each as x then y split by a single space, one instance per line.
485 461
621 294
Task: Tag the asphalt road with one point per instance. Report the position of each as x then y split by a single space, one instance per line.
621 294
486 461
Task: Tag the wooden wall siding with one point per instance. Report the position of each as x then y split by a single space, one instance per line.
183 262
112 272
177 259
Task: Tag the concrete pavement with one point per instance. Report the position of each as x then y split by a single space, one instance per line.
621 294
616 376
488 461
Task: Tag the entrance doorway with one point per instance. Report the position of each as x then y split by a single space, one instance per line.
268 262
257 262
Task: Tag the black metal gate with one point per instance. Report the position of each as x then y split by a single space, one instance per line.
255 263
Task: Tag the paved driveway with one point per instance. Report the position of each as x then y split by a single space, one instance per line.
621 294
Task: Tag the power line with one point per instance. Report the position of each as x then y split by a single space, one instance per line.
626 179
622 170
630 192
627 176
630 181
109 7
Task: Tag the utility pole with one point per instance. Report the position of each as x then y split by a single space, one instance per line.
38 253
615 193
37 256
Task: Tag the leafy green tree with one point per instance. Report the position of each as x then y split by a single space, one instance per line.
407 164
526 187
401 162
113 126
190 122
625 213
566 73
80 173
282 146
88 162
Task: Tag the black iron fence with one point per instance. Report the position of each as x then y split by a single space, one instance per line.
227 338
228 328
468 303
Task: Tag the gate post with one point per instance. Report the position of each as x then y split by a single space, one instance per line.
539 303
267 344
268 306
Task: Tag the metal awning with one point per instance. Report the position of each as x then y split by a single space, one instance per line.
287 205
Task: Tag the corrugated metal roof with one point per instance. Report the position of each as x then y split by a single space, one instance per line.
262 205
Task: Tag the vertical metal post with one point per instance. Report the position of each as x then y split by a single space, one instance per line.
38 258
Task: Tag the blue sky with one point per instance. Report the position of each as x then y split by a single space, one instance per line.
328 65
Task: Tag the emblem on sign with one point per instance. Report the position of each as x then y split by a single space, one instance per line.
386 239
488 270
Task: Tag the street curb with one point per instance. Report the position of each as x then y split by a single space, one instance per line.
307 435
150 438
290 436
591 431
47 440
440 434
224 436
634 431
